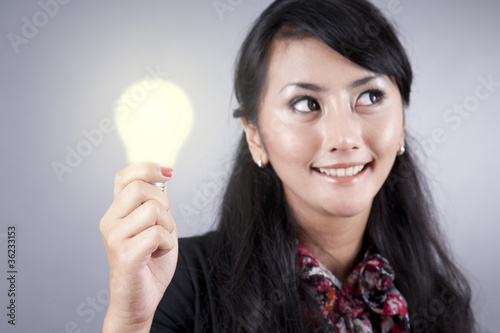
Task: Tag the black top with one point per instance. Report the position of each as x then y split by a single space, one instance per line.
189 303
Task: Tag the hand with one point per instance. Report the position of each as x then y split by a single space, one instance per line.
140 237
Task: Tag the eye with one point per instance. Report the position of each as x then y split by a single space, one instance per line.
370 97
305 104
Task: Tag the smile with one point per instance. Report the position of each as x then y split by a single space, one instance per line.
342 172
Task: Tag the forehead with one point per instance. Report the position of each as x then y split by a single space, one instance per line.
309 59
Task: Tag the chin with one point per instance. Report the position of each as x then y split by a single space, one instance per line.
349 210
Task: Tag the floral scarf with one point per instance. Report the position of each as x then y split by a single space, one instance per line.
369 291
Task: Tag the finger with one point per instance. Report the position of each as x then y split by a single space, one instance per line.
145 171
155 239
134 195
147 215
160 252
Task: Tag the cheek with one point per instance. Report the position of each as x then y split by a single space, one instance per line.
292 147
384 134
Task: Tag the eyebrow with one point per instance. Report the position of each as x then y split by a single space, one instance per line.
363 81
308 86
316 88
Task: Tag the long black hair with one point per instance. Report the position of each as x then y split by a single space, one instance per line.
255 266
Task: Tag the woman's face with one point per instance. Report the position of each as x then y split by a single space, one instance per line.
330 128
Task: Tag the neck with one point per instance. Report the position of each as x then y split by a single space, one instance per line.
336 241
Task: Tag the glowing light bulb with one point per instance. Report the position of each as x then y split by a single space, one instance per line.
154 118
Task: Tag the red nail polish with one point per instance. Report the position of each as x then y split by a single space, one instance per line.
167 172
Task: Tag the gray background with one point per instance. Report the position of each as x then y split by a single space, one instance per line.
65 79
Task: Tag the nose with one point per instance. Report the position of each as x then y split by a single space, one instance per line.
341 128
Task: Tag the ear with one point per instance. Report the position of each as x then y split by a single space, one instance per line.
254 141
402 139
403 134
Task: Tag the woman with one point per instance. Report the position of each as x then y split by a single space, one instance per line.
325 224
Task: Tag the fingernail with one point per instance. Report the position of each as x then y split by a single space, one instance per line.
167 172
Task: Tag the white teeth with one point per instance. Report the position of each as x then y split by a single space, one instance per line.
341 172
329 172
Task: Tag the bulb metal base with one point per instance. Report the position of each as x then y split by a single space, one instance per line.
161 185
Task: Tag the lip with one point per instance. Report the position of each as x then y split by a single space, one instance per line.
343 180
341 165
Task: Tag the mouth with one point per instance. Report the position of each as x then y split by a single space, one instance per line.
345 173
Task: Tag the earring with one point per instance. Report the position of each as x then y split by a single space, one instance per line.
259 163
401 151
